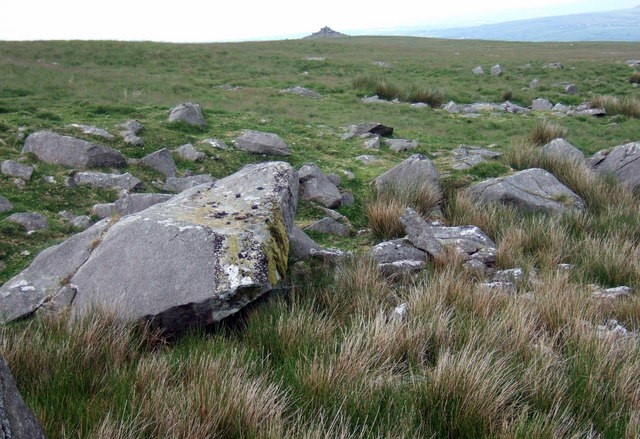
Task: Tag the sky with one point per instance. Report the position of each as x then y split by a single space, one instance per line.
242 20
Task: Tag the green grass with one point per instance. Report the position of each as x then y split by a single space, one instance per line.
322 359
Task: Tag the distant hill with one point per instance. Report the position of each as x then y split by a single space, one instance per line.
619 25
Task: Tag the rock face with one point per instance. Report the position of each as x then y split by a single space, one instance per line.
15 169
16 420
108 181
29 220
326 32
316 186
55 149
257 142
189 113
623 162
414 170
301 91
161 161
192 260
5 205
560 149
179 184
531 190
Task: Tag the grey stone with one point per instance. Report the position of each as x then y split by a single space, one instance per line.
133 203
329 226
553 66
132 125
531 190
301 91
15 169
397 250
499 287
399 268
17 421
595 112
335 179
55 149
497 70
367 159
188 152
478 70
189 113
466 157
315 186
325 32
451 107
400 312
19 183
561 108
215 143
373 143
180 184
541 105
613 330
49 271
5 205
633 62
104 210
383 64
82 222
375 99
376 129
600 293
535 83
571 89
347 199
300 245
132 139
623 162
417 169
107 181
29 220
257 142
420 233
560 149
93 131
509 107
399 145
161 161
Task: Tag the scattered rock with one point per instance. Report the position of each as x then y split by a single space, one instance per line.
55 149
401 268
466 157
382 64
131 139
189 113
329 226
335 179
315 58
19 183
571 89
514 109
499 287
215 143
258 142
399 145
5 205
133 203
301 91
531 190
541 105
477 70
188 152
301 245
104 210
29 220
15 169
420 233
93 131
375 99
376 129
417 169
132 125
560 149
399 313
623 162
561 108
82 222
161 161
17 421
397 250
535 83
633 63
315 186
180 184
347 199
613 330
107 181
367 159
325 32
610 293
451 107
553 66
497 70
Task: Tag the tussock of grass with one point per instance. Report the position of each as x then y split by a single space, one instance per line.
545 131
627 106
427 95
635 78
387 89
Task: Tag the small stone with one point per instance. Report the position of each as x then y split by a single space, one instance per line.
373 143
497 70
541 105
188 152
215 143
477 70
399 145
400 312
571 89
161 161
81 222
93 131
347 199
189 113
329 226
610 293
15 169
367 159
132 125
535 83
130 138
5 205
29 220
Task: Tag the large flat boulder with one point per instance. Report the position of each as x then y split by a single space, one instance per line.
56 149
417 169
258 142
16 419
531 190
623 162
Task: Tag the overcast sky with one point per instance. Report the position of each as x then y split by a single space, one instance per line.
238 20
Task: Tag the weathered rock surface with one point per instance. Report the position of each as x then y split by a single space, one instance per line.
417 169
478 70
329 226
560 149
541 105
367 128
316 186
466 157
399 145
81 222
107 181
257 142
623 162
189 113
621 292
192 260
161 161
189 152
373 143
531 190
347 199
133 203
301 91
55 149
132 125
326 32
16 419
571 89
131 138
15 169
301 245
5 205
420 233
397 250
497 70
179 184
93 131
29 220
215 143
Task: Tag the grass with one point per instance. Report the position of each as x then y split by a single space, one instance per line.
635 78
324 358
627 105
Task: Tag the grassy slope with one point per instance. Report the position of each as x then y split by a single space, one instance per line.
322 360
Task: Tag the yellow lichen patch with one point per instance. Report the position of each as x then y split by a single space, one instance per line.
277 248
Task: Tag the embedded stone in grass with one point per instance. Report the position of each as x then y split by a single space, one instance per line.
161 161
316 186
623 162
258 142
81 222
189 113
553 66
560 149
367 128
541 105
215 143
107 181
188 152
301 245
55 149
417 169
531 190
133 126
93 131
399 145
301 91
478 70
329 226
367 159
5 205
15 169
397 250
29 220
466 157
497 70
571 89
179 184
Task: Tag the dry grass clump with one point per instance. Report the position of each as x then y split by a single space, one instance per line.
626 106
427 95
635 77
545 131
375 85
